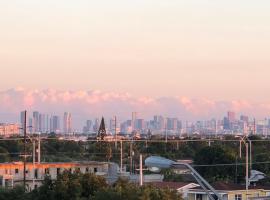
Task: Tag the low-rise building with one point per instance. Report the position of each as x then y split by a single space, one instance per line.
7 130
12 174
182 188
231 191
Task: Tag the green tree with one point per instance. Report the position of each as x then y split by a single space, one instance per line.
212 156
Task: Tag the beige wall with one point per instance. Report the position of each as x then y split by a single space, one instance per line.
15 171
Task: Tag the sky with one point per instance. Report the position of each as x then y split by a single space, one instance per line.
148 48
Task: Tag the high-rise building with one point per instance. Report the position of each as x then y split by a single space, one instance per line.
47 124
126 127
96 125
113 124
244 118
133 120
22 117
226 123
35 122
172 124
42 123
67 123
159 122
231 116
88 127
179 125
30 123
55 124
139 124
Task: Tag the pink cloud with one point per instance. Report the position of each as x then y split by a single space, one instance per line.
94 103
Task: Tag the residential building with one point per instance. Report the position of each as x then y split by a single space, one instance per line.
9 129
11 174
231 191
181 187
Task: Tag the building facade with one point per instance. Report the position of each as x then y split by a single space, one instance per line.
7 130
12 174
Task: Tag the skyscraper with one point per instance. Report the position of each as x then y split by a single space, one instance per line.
172 124
231 116
35 122
139 124
22 116
55 124
133 120
42 123
67 123
88 127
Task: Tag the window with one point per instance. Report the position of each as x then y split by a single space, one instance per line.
47 170
16 171
95 169
238 197
36 173
58 171
199 196
87 169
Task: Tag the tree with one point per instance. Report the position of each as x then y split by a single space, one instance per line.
4 155
212 156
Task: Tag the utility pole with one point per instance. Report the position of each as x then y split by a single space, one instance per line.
141 170
39 150
121 156
24 150
34 160
131 154
247 169
115 132
240 149
250 154
166 134
255 129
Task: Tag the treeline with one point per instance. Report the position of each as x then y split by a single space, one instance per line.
77 186
215 160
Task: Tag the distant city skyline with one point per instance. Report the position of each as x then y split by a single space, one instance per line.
92 104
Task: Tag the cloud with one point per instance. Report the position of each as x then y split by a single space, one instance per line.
85 104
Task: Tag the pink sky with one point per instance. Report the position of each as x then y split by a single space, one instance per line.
155 48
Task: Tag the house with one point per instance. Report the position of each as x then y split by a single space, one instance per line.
231 191
181 187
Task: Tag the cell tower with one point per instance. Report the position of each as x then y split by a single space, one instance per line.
102 130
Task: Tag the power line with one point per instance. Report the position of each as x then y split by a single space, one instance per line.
153 141
230 164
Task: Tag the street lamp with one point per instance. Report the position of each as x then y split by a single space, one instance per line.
156 162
